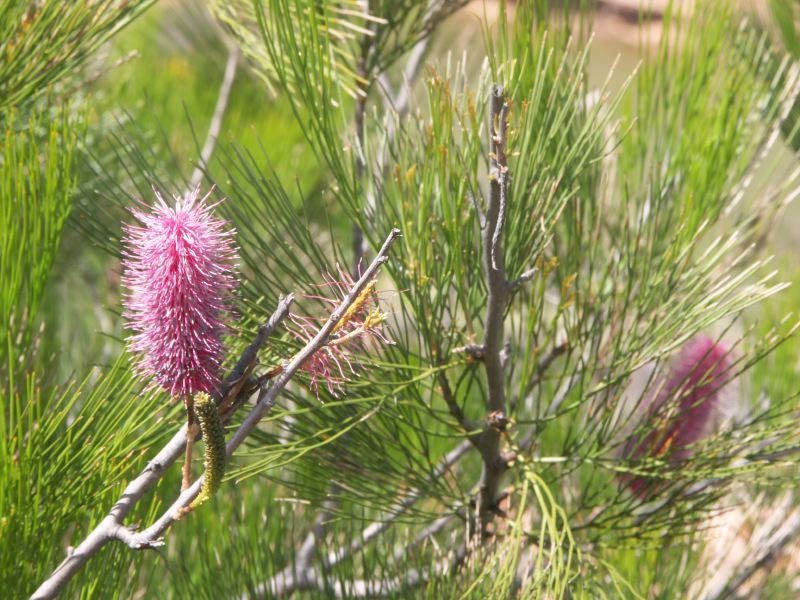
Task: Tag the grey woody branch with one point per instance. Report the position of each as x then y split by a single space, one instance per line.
309 546
455 408
373 530
496 303
398 102
219 114
289 582
112 527
358 242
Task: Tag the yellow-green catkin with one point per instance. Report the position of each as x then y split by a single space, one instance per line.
214 442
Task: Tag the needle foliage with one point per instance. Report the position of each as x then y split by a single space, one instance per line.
631 218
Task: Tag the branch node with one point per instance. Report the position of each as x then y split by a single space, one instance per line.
524 278
498 421
473 351
505 354
509 458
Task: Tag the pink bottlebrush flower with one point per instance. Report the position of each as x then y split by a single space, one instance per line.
178 273
360 322
682 406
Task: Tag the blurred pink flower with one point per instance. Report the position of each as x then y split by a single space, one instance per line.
362 321
682 407
178 270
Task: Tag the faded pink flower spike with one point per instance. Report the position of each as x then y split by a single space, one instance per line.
177 269
683 405
361 322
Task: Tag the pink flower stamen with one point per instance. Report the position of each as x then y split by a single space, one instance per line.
362 321
178 273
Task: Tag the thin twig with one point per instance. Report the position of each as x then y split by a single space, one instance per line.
764 555
306 552
109 527
396 106
398 102
216 119
549 358
499 174
478 210
359 248
426 533
293 578
310 579
452 405
375 529
541 369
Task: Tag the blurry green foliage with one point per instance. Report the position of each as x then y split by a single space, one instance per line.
636 206
43 43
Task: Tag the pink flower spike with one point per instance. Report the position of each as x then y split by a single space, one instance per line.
683 405
178 273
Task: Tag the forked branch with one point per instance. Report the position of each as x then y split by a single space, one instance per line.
113 528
